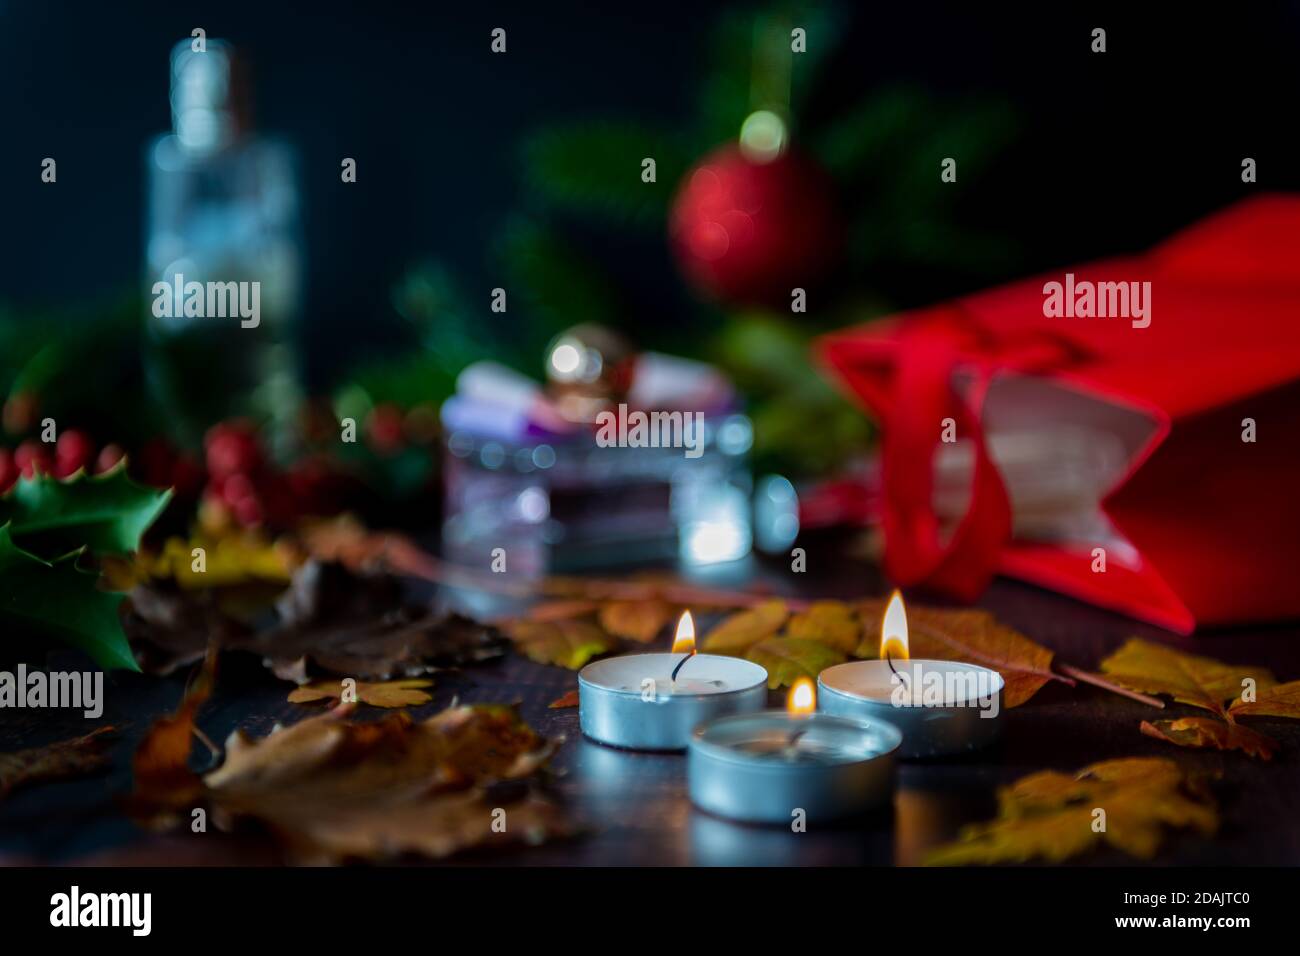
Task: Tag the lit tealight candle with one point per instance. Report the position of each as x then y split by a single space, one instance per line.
654 701
776 766
942 707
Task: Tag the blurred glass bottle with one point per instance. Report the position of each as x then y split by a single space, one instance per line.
222 207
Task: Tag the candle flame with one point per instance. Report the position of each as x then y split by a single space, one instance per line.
803 697
893 630
684 642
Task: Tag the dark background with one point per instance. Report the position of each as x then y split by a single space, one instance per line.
1115 150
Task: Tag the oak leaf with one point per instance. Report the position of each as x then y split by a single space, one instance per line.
1200 681
970 636
1052 816
66 758
393 693
1211 732
738 632
786 659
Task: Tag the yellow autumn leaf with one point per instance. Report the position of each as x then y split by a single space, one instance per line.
639 621
1282 700
1053 837
1054 816
567 643
738 632
393 693
832 623
205 561
786 659
1200 681
1211 732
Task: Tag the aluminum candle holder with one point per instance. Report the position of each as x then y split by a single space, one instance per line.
963 712
942 707
764 767
633 701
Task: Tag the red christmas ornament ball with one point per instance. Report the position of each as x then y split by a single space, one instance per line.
748 231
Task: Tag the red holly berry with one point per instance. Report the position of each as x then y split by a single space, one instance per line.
33 458
72 453
9 471
248 512
109 457
384 429
232 447
233 488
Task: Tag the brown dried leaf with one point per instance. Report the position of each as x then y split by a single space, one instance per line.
569 699
569 644
169 628
332 790
163 778
356 626
1211 732
1282 700
57 761
394 693
1200 681
786 659
437 828
969 636
405 642
335 790
639 621
832 623
1051 815
561 610
738 632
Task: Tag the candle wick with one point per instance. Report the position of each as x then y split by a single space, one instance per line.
791 745
889 659
680 665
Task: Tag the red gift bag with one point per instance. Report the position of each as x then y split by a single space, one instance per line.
1105 457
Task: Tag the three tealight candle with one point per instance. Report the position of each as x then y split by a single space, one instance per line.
769 766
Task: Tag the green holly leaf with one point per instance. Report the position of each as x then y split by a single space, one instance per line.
56 599
594 169
107 513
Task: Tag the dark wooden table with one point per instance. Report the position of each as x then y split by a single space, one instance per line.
634 806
